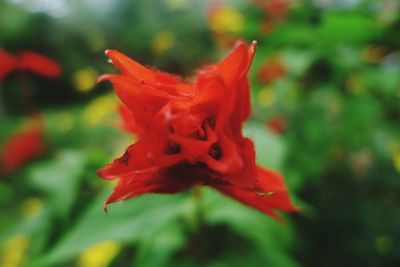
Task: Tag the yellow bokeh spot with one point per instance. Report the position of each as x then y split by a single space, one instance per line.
99 109
163 41
291 93
96 40
396 160
13 251
226 20
65 121
266 97
99 255
354 84
383 244
373 54
32 207
85 79
394 152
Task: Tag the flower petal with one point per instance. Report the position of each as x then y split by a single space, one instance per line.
193 148
38 64
275 197
236 64
233 70
155 182
142 157
274 188
128 122
129 67
249 198
166 181
224 158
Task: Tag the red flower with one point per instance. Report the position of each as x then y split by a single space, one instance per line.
7 64
28 61
190 134
271 71
128 123
38 64
274 10
22 146
277 124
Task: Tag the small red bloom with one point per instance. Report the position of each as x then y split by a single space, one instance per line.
277 124
190 133
8 63
271 71
28 61
22 146
38 64
274 10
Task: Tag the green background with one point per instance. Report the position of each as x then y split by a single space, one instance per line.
340 152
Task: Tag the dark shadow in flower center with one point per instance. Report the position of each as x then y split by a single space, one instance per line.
125 158
215 151
172 148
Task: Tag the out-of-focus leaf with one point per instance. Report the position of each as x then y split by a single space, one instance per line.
270 149
347 28
59 178
384 80
156 248
298 61
270 237
26 227
126 222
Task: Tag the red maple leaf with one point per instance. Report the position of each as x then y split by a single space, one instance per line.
190 133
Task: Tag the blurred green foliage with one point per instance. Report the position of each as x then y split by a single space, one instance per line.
340 151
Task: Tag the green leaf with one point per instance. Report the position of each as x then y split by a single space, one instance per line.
156 248
129 221
270 148
270 237
59 178
341 27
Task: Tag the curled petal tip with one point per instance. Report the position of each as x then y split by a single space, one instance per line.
102 174
103 78
107 51
253 46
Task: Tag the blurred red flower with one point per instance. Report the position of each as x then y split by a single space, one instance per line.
277 124
271 71
8 63
28 61
22 146
38 64
274 10
190 133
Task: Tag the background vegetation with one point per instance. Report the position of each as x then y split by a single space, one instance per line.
326 113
